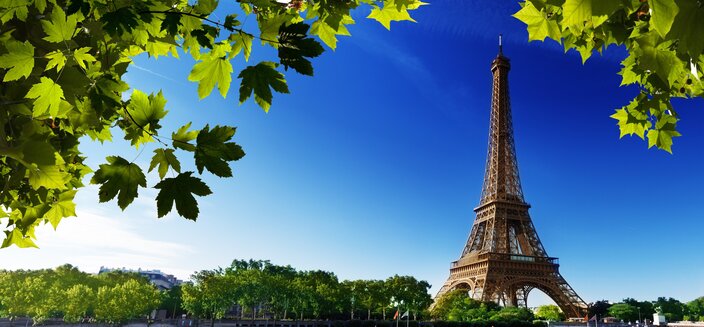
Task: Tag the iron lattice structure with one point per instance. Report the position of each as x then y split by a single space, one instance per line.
504 259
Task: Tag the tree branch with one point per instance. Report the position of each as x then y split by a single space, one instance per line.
231 29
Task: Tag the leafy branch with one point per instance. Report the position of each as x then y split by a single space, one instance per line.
664 40
62 65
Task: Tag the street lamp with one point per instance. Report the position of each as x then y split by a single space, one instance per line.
639 319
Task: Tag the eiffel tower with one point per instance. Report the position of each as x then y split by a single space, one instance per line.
504 259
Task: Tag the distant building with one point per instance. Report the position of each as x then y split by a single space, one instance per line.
160 279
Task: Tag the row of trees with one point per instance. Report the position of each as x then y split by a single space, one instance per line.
633 310
66 292
458 306
262 289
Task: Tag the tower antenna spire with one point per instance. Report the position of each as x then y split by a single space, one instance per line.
501 52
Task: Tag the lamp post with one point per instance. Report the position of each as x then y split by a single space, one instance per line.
639 319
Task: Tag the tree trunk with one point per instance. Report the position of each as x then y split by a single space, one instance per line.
383 313
254 312
369 313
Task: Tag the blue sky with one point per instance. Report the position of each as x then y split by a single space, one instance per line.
373 167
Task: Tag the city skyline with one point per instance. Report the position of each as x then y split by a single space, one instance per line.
373 167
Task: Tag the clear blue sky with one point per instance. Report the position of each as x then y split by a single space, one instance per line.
373 167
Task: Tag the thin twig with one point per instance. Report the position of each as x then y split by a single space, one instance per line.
142 127
231 29
157 137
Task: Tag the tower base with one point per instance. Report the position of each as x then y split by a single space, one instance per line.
508 279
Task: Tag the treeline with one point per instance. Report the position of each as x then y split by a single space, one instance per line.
261 289
68 293
631 310
457 306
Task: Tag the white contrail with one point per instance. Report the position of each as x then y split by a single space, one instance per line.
156 74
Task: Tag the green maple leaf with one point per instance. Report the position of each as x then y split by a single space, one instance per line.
144 112
601 10
576 12
390 12
183 136
632 119
630 72
327 33
539 27
47 95
230 22
30 215
213 151
19 60
48 176
295 46
147 109
205 36
206 7
171 23
40 4
40 153
75 5
662 136
119 178
59 28
14 8
663 14
269 28
215 68
100 135
659 58
242 41
56 59
164 158
81 56
15 237
83 116
107 91
120 21
688 28
259 79
180 190
61 208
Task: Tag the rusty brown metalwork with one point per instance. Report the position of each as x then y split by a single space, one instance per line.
504 259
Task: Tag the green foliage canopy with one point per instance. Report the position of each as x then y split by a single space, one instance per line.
65 292
456 305
664 40
549 312
673 309
599 308
62 64
283 290
624 311
695 308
